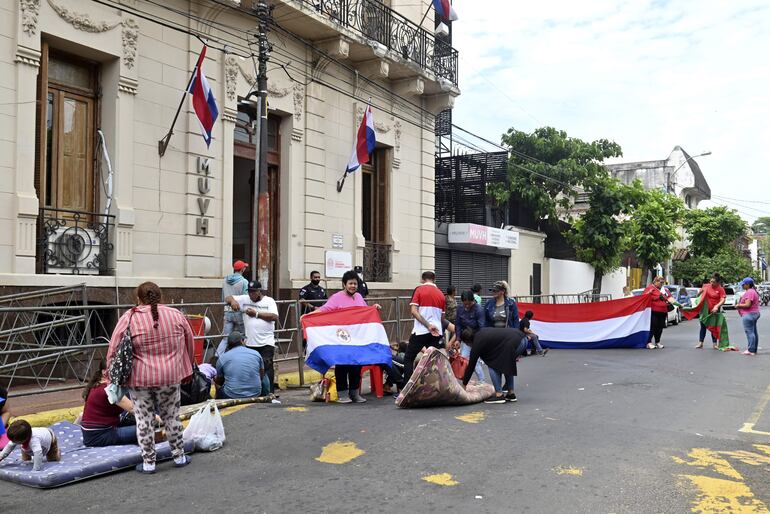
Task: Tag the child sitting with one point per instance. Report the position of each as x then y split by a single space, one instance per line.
35 443
524 327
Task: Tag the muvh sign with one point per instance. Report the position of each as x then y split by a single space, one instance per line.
469 233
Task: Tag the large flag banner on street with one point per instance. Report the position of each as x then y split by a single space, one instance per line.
353 336
716 322
623 323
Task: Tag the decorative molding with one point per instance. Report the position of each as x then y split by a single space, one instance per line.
26 55
231 77
249 77
276 91
380 126
30 10
319 67
299 102
397 135
82 21
296 134
130 37
395 163
26 235
128 85
230 115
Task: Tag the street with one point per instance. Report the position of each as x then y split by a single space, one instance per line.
647 431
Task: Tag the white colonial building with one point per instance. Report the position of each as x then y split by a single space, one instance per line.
84 82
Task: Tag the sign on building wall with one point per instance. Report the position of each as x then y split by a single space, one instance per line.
337 263
470 233
338 241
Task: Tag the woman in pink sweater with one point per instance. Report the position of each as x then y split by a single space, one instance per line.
348 377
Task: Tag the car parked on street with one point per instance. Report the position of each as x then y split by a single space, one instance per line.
731 299
672 317
679 293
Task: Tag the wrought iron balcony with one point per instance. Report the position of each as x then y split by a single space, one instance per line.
381 24
73 242
377 262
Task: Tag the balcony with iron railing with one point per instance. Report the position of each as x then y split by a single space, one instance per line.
381 31
74 243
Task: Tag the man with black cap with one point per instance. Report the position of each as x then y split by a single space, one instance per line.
260 313
240 371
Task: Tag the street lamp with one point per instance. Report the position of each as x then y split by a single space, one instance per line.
669 188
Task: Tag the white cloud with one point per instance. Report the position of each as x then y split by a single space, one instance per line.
649 74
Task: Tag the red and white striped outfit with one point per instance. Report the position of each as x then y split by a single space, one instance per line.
163 356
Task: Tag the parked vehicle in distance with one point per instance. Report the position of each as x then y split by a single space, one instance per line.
672 317
730 300
679 293
693 293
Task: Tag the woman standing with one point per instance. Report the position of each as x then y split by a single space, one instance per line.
348 377
501 310
714 294
748 308
660 301
163 359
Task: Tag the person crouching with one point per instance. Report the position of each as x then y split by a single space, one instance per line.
35 443
240 371
499 348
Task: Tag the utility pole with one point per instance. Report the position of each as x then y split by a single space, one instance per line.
261 214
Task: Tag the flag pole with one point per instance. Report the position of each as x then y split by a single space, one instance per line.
163 143
430 4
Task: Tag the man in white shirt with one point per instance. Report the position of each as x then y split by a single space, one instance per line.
260 313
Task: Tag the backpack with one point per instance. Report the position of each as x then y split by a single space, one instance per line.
123 360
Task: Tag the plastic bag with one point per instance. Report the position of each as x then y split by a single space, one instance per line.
206 429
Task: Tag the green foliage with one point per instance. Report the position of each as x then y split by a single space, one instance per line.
728 262
761 225
546 167
599 235
712 230
652 227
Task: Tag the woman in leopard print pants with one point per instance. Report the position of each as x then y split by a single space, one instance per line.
163 359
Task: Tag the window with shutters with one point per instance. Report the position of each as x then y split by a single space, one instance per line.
375 216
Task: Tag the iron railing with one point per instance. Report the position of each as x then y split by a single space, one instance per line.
73 242
377 262
384 26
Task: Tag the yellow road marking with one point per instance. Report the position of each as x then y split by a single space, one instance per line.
566 470
748 426
296 409
473 417
717 495
339 452
444 479
705 458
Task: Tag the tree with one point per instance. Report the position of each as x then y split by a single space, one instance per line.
652 227
761 225
546 167
728 262
599 235
712 230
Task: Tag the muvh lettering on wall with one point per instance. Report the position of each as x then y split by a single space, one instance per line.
204 187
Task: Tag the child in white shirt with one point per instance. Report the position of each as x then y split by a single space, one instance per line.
35 443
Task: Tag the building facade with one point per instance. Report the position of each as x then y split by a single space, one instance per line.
89 88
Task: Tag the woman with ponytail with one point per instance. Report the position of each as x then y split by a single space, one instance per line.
162 360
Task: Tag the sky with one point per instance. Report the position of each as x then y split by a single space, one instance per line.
648 74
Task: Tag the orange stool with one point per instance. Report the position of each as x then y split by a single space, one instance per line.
375 379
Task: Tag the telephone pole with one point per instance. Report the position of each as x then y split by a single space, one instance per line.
261 214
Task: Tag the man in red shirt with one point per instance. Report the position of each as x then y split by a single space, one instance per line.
714 295
428 305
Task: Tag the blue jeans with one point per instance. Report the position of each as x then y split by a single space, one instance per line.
233 321
110 436
702 334
465 351
535 340
749 321
496 377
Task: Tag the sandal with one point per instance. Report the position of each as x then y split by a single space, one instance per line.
699 346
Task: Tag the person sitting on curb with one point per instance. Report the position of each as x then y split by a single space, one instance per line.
35 444
500 348
240 370
533 338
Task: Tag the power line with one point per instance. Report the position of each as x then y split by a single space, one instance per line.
739 200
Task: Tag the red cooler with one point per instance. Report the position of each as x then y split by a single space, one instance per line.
198 326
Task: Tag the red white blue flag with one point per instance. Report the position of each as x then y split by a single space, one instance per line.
445 10
365 142
353 336
623 323
204 103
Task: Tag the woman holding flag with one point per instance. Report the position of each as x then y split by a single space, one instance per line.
659 306
348 377
713 294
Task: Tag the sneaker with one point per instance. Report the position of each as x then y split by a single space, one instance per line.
344 399
495 399
650 346
140 468
510 397
357 398
184 463
658 345
545 350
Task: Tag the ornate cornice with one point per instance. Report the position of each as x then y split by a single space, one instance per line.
128 85
28 56
30 10
82 21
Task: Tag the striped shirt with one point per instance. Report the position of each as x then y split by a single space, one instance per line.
430 302
163 356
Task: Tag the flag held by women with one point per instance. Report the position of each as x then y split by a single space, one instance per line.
715 322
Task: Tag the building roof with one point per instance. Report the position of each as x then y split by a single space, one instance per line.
700 181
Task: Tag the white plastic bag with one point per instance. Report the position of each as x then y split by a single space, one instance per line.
206 429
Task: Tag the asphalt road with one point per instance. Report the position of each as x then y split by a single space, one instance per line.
595 431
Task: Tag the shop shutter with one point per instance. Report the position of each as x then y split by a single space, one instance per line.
463 269
443 268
